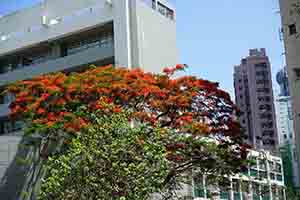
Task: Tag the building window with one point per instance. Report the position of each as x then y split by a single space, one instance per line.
104 39
279 177
261 65
266 192
198 186
256 191
292 29
154 4
272 176
7 127
262 73
265 82
236 189
262 164
224 191
265 98
6 98
265 107
164 10
265 90
297 72
278 167
269 133
266 116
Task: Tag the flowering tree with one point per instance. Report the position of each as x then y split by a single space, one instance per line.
197 120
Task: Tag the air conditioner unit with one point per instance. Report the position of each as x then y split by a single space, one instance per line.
44 21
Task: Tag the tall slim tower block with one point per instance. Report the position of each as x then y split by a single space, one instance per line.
254 97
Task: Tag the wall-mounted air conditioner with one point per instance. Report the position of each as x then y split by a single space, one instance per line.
44 21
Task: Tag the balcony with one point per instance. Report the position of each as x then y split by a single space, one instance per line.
4 110
78 57
32 31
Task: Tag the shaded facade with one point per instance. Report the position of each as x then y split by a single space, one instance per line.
290 17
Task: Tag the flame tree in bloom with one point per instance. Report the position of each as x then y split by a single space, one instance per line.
196 122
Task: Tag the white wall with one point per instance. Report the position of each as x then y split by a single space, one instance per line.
155 47
25 27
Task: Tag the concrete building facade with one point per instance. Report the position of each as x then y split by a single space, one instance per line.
290 17
254 97
262 180
68 35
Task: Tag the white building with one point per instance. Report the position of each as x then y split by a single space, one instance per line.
68 35
284 120
262 181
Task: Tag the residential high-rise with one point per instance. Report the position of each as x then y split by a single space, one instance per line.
68 35
254 97
290 17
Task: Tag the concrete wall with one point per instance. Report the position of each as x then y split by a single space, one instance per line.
24 28
292 52
8 149
155 44
122 32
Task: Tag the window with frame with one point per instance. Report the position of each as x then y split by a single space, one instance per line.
262 65
165 11
154 4
199 190
264 90
292 29
269 133
7 126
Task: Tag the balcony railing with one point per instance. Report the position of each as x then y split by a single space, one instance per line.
99 42
48 23
65 63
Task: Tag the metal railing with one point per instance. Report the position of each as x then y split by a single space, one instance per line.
50 22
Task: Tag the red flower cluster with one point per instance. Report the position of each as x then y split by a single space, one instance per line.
188 104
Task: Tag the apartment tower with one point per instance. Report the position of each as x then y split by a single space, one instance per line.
254 97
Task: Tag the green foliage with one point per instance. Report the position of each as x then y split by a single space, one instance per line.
108 160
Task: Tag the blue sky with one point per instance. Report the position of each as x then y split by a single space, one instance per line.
213 35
